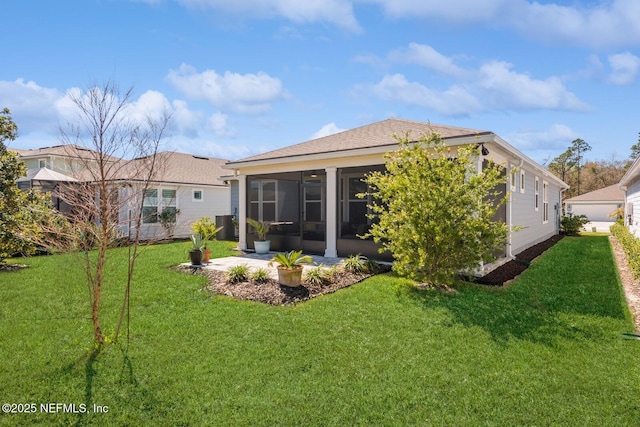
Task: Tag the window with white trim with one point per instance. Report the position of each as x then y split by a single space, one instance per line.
152 205
536 196
545 202
262 200
522 182
513 178
197 196
42 163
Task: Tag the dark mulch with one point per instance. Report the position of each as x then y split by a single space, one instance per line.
514 268
11 267
273 293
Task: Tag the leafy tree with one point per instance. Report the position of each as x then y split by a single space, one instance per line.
578 148
635 149
433 210
562 164
23 215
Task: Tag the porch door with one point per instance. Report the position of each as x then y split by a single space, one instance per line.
313 211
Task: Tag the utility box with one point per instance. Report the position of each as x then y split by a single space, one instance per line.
228 232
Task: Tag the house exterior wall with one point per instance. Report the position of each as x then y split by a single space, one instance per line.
215 201
632 207
529 223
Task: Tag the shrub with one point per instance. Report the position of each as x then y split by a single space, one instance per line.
573 224
237 273
631 246
260 276
432 209
356 264
320 275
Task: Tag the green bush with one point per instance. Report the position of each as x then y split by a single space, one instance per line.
238 273
573 224
356 264
630 244
320 275
260 276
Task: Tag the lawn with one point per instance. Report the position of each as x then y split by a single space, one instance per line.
544 351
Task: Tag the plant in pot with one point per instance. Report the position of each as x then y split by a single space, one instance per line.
196 252
262 245
207 228
290 267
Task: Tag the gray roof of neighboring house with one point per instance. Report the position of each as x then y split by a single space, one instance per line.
180 168
377 134
66 150
611 193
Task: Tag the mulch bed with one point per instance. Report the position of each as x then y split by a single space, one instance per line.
272 292
512 269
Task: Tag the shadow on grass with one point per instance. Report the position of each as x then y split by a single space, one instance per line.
568 293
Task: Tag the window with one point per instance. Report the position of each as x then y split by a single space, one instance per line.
313 199
150 207
262 200
197 195
522 182
152 204
537 194
545 202
513 178
42 163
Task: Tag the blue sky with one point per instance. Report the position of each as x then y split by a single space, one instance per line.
246 76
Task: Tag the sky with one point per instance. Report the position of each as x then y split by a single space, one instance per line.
243 77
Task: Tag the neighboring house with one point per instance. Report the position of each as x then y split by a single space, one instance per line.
49 168
309 190
630 184
183 182
597 205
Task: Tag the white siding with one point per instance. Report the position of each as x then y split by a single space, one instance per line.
595 211
524 217
215 201
633 198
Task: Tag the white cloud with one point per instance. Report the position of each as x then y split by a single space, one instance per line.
556 137
494 85
598 24
624 68
427 57
508 89
326 130
453 101
219 126
242 93
33 107
337 12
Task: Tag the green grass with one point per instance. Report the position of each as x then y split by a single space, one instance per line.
544 351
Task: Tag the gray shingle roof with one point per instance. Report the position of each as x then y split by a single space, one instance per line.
611 193
377 134
181 168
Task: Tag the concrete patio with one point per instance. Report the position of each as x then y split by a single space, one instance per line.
255 261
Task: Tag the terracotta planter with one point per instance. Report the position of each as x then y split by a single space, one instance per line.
207 255
262 246
196 257
291 277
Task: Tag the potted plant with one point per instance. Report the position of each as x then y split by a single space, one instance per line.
290 267
207 228
262 245
196 252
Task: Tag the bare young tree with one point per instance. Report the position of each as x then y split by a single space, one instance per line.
114 157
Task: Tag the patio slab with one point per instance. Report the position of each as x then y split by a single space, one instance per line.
255 261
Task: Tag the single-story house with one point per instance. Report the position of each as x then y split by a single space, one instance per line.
182 182
630 184
308 190
597 205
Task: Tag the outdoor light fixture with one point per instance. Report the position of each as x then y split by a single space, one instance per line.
484 149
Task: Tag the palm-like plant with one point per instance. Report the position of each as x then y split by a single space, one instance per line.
261 227
290 260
